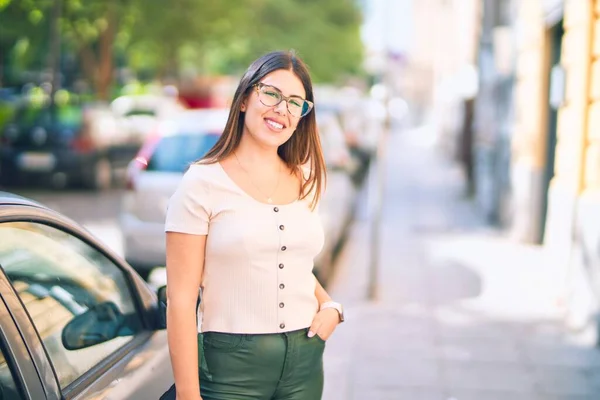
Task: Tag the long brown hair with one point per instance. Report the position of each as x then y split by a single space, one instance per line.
303 147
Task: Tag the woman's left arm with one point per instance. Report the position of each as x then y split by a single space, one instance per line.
321 294
327 319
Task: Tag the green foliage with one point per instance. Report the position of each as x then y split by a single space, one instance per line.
325 33
6 112
158 38
180 37
23 33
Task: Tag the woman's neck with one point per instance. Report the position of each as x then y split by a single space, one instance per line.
255 156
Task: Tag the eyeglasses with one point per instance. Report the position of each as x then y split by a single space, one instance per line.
270 96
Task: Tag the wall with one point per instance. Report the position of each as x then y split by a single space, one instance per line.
578 174
528 140
444 41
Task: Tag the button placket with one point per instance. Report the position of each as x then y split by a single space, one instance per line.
280 268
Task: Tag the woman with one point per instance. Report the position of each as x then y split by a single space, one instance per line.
243 226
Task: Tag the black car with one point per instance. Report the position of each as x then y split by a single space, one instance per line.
76 321
63 145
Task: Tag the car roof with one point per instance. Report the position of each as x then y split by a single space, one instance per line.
7 198
195 121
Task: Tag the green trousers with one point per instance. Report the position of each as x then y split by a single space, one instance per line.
280 366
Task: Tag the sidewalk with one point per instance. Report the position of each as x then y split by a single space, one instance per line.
462 313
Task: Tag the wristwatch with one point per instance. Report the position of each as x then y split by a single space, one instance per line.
337 306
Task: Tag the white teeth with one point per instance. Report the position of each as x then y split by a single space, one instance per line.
274 124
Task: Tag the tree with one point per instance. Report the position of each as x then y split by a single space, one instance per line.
222 37
166 38
90 28
325 33
23 33
206 36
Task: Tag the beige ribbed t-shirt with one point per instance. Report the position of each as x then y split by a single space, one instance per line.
259 257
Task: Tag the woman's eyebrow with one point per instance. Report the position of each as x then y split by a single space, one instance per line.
291 95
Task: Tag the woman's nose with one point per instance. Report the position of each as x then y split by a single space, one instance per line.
281 108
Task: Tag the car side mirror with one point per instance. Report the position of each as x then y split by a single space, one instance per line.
161 293
100 323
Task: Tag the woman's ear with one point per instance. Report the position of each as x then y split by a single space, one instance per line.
243 106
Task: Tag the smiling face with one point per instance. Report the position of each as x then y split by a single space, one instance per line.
272 126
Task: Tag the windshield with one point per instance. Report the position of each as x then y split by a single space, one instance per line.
176 153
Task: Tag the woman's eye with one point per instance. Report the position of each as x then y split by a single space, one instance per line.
272 94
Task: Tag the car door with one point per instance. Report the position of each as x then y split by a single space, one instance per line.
89 320
19 379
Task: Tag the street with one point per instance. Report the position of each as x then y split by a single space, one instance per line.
461 311
460 211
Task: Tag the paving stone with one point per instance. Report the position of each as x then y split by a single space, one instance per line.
394 394
462 394
567 397
395 349
482 330
562 355
594 377
564 381
456 317
406 373
487 376
479 349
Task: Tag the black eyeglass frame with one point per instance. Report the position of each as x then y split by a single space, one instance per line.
258 86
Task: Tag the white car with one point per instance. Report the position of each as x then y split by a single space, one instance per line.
154 175
137 114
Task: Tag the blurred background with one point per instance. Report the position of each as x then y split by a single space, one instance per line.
462 139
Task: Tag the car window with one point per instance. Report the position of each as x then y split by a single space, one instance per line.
137 112
9 388
176 153
78 299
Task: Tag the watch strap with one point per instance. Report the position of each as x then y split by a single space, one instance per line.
335 305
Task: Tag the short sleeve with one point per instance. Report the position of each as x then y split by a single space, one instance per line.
189 208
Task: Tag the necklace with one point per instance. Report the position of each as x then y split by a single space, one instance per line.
269 198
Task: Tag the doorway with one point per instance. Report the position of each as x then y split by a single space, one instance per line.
555 95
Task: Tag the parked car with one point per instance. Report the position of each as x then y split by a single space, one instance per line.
137 115
76 321
350 128
63 145
338 201
153 176
337 153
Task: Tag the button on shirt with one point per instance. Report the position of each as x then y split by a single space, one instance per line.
259 257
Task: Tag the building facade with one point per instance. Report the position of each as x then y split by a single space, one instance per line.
555 166
441 55
534 143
